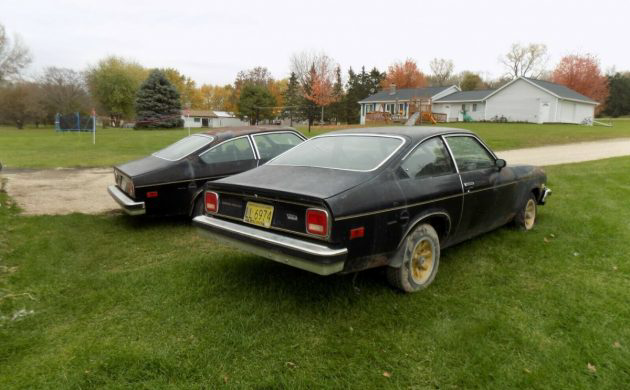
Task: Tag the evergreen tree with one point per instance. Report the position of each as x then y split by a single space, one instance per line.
157 103
254 103
292 98
336 109
618 102
358 87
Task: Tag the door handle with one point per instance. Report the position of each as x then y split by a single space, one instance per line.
469 185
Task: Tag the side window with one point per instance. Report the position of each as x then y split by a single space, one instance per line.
429 159
271 145
237 149
469 154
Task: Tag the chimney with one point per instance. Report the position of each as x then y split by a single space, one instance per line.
392 89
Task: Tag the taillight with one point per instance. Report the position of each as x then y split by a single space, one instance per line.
212 202
152 194
317 222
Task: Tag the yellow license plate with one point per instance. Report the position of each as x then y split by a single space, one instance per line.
258 214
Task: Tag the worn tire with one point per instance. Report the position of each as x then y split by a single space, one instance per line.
417 270
198 208
526 216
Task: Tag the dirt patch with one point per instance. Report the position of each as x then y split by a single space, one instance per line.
61 191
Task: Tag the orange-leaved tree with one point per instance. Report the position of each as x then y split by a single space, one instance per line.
404 75
582 74
321 90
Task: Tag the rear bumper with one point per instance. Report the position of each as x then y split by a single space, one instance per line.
129 205
314 257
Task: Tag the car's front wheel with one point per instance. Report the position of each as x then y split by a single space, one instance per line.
526 217
420 260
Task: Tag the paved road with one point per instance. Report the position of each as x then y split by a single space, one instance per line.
569 153
64 191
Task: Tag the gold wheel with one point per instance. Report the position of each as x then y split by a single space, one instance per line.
422 261
530 214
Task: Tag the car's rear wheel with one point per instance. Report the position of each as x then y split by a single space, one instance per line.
526 217
421 257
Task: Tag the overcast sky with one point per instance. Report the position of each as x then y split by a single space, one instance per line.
211 41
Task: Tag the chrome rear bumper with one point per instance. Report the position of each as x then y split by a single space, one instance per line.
309 256
129 205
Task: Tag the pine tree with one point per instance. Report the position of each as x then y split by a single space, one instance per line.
157 103
292 98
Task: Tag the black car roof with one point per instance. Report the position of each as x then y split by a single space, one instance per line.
224 133
414 133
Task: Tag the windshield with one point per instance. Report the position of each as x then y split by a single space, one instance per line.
350 152
183 147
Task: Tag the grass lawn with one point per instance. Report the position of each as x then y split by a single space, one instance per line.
44 148
121 302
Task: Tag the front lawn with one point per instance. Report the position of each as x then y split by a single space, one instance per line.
44 148
119 302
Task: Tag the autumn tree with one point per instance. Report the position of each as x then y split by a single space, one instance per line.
442 71
582 74
16 103
158 103
14 56
320 89
404 75
189 94
525 60
217 97
470 81
113 83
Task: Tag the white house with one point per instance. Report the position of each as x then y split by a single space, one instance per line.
206 118
396 101
521 100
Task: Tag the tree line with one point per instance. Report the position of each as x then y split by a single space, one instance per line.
317 90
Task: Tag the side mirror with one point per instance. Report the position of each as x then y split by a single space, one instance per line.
500 163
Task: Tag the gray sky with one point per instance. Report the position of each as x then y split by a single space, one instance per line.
211 41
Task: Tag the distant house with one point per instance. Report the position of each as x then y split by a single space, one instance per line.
398 101
209 118
521 100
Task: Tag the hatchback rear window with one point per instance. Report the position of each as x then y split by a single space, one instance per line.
349 152
183 147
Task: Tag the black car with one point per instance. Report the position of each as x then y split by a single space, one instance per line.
356 199
170 181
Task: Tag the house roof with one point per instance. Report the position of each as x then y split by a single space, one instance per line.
403 94
466 96
208 114
560 90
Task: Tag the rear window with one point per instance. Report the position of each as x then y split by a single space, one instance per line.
350 152
183 147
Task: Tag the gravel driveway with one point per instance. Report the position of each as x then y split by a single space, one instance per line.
64 191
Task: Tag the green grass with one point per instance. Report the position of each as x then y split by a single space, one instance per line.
44 148
122 302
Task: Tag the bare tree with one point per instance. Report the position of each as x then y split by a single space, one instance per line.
528 61
63 90
302 62
14 56
442 70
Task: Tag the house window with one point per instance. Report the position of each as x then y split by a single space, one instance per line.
474 107
197 119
